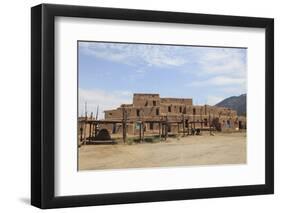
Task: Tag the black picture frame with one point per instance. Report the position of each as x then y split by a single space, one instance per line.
43 105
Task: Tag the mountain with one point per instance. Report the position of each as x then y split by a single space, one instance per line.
237 103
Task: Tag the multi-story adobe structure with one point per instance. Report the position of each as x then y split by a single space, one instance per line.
151 108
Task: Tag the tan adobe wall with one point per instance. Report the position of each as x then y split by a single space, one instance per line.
176 101
113 114
150 107
133 112
138 110
142 100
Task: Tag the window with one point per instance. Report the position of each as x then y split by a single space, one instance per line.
138 112
154 103
194 111
157 111
151 126
180 109
169 109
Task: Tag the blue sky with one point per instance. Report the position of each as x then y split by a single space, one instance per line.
109 73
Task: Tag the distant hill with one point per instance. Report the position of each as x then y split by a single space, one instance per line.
237 103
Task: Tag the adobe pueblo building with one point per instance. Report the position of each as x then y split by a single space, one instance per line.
152 114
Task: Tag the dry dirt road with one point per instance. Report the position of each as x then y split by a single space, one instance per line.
223 148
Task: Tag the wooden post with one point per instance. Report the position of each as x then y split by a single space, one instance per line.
91 124
124 124
140 127
166 131
85 130
90 131
81 133
194 119
201 118
166 127
160 127
187 127
183 125
85 123
209 123
142 124
163 129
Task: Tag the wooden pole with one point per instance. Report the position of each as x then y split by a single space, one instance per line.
124 124
193 120
85 124
166 127
142 124
90 131
187 127
163 129
96 129
209 123
160 126
201 118
183 125
85 130
81 133
140 127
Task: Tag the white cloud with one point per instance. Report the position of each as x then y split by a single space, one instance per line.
211 61
224 61
102 99
219 81
134 54
222 68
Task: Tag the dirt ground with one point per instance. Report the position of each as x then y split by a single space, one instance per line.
223 148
